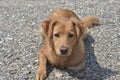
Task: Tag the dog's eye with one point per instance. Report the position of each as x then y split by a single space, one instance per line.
70 35
57 35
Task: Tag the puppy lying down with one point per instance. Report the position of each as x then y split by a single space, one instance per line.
63 35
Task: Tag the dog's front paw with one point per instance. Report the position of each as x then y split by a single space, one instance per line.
40 75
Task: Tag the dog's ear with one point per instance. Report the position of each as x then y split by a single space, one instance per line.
44 28
83 29
79 27
52 23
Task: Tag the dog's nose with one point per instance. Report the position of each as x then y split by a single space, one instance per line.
63 50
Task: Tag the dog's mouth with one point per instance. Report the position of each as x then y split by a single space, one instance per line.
67 54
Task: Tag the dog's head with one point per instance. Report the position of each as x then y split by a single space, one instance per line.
64 34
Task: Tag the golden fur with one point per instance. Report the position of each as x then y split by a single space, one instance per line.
63 35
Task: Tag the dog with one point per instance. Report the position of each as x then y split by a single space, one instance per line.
63 35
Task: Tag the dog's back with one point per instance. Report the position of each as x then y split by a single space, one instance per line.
63 14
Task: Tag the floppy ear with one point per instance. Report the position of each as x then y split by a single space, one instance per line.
83 30
44 28
51 28
77 29
80 30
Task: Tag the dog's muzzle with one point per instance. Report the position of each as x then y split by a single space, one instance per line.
63 50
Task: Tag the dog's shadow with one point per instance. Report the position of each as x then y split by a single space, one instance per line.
92 70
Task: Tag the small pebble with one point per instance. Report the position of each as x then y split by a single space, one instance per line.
58 74
24 77
26 72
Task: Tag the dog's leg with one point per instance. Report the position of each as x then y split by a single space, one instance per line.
77 67
41 72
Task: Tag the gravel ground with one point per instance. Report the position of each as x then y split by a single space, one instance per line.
20 39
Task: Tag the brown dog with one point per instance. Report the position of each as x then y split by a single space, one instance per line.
63 35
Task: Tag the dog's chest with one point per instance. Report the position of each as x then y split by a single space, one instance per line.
58 61
63 61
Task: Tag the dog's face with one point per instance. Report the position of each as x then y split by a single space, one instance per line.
64 35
